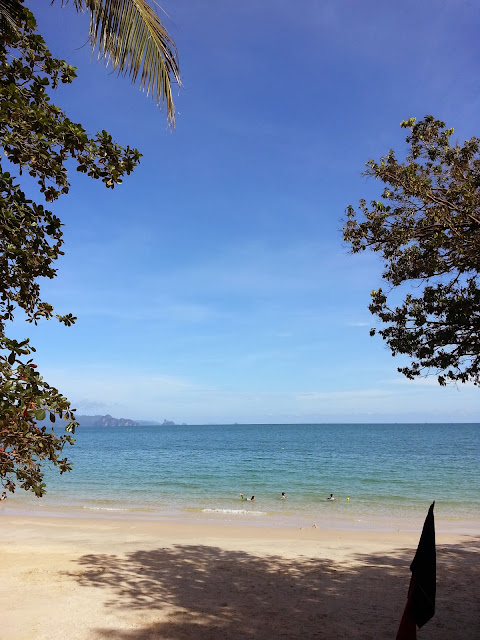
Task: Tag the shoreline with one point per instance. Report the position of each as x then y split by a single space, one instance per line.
129 579
70 533
381 523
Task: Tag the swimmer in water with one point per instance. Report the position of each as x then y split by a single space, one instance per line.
331 497
283 497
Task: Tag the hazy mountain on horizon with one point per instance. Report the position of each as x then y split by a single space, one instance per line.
106 421
109 421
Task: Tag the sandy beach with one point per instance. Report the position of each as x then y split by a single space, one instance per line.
98 579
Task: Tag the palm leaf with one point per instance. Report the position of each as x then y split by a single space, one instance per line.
130 35
11 12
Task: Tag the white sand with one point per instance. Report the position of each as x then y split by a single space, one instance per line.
87 579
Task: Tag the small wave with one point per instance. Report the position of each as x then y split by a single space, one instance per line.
105 509
235 512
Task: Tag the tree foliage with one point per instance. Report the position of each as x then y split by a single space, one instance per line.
37 138
427 230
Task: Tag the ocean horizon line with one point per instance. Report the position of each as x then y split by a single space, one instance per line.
155 423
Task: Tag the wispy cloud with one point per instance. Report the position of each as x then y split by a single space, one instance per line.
431 381
357 323
292 278
151 396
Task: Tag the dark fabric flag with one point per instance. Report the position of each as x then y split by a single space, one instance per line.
420 605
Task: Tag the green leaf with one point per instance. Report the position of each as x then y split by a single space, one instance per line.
40 414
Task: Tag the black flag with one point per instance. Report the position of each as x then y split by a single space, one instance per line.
420 605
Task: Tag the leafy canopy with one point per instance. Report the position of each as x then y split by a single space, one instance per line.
427 230
37 138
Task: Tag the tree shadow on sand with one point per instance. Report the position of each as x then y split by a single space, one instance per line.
215 594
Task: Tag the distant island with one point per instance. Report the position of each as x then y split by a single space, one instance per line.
106 421
109 421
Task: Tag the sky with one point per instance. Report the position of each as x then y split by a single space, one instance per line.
213 285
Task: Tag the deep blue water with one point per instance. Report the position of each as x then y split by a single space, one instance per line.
388 471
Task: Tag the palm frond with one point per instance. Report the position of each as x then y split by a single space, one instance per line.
11 12
130 35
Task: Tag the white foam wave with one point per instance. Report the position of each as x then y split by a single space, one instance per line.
235 512
104 509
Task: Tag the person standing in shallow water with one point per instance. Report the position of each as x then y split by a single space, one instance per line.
3 496
283 496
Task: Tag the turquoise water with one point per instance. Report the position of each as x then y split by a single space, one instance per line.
388 471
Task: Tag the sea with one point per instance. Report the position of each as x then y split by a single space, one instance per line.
383 476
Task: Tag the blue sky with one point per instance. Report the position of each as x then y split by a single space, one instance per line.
213 285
